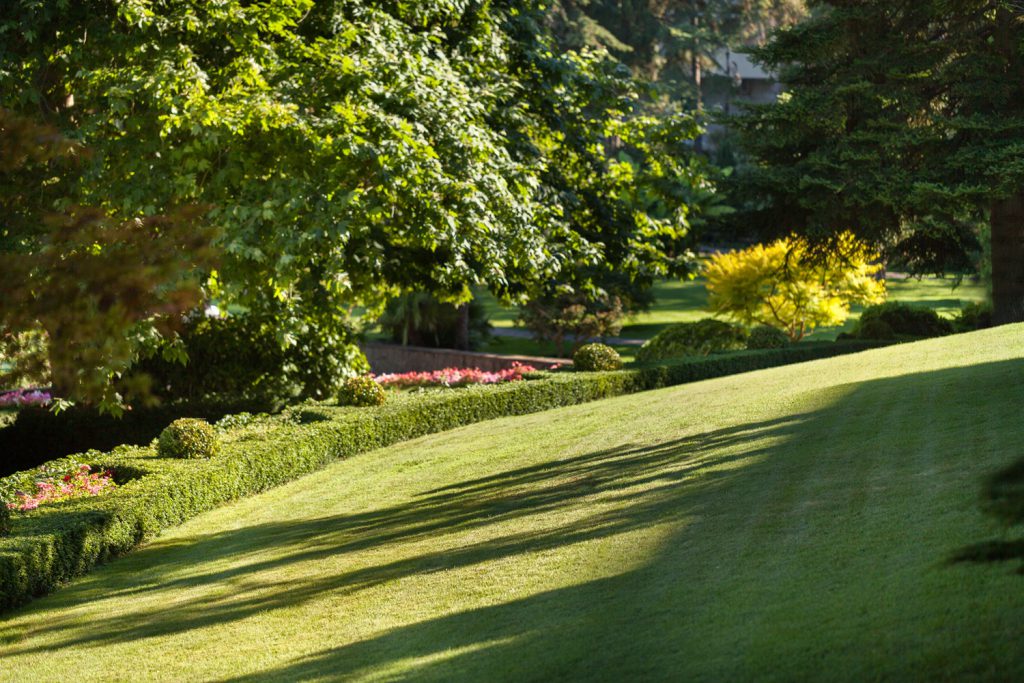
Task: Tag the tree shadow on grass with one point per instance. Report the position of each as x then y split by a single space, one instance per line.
617 628
606 628
662 472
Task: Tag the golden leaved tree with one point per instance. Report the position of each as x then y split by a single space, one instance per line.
785 285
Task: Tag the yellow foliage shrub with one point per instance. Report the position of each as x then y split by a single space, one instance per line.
782 285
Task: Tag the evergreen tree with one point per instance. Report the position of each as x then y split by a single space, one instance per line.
904 123
670 42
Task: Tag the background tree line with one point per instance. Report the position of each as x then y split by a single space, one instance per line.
298 160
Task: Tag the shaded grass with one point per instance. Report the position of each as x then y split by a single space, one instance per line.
795 523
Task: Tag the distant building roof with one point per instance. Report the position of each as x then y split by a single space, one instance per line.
737 64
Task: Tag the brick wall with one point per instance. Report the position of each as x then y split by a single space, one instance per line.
396 358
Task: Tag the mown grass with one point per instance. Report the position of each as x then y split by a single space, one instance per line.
798 523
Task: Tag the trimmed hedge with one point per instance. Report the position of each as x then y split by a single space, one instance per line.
38 435
54 543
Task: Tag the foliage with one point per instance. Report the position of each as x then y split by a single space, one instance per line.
25 352
693 339
789 286
420 319
889 130
974 316
98 287
362 391
875 328
320 354
340 175
188 437
243 357
596 358
453 377
766 337
5 520
237 421
903 320
633 191
232 356
48 550
575 317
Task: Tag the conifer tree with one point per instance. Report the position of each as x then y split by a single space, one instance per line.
904 123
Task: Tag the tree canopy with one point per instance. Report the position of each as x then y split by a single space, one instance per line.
349 150
904 123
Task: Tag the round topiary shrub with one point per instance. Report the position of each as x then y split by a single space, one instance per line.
765 337
361 391
876 328
693 339
5 519
596 357
188 438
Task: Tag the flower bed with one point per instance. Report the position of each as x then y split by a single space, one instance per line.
57 480
20 398
452 377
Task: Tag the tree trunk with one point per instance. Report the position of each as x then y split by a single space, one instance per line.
1007 222
698 144
462 328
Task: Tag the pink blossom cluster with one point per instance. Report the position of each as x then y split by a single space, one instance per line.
24 397
81 482
452 377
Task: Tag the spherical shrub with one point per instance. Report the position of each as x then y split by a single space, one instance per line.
596 357
876 328
693 339
905 321
5 519
361 391
188 438
765 337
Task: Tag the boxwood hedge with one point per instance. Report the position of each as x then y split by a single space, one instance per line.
54 543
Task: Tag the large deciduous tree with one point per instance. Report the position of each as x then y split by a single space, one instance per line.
904 123
350 149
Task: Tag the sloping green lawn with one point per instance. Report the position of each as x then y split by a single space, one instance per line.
798 523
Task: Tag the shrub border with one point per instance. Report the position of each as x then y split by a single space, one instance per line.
53 544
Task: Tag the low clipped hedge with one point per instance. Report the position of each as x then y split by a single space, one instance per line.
38 434
54 543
